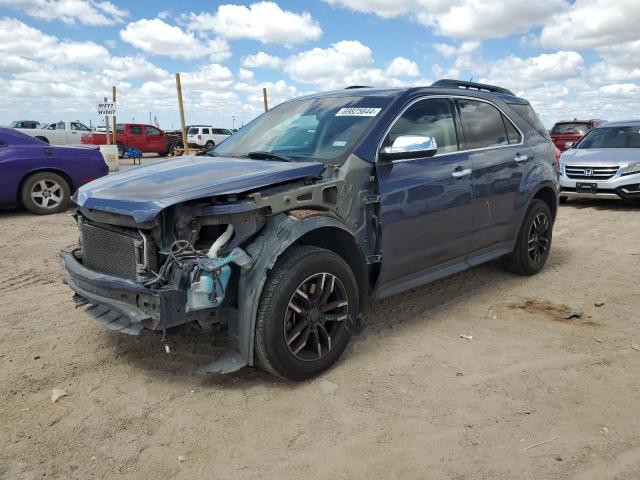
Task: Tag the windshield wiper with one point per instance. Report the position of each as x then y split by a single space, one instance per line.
264 154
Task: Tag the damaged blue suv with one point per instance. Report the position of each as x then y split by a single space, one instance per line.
282 233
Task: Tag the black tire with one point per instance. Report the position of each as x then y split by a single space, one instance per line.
533 243
172 149
563 199
42 139
210 144
121 149
276 323
44 193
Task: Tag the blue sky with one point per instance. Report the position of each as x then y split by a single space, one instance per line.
59 57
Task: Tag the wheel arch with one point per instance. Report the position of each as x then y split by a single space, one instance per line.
549 196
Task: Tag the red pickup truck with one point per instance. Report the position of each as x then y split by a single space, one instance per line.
146 138
567 132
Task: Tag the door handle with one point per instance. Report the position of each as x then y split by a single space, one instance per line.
461 173
520 158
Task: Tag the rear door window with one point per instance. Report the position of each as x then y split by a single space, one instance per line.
205 131
135 130
483 125
152 131
431 117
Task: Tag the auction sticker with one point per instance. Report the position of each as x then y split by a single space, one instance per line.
358 112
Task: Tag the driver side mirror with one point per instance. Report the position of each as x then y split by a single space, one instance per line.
409 146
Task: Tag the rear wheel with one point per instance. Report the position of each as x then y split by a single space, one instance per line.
534 241
304 318
44 193
210 144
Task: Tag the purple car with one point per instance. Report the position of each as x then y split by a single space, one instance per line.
42 177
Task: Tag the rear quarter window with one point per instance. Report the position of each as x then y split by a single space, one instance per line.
526 111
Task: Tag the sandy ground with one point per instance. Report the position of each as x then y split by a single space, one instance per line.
410 398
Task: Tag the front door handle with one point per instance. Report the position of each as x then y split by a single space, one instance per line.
520 158
461 173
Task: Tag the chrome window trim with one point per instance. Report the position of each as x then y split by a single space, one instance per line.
465 97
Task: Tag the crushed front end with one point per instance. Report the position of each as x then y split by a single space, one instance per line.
174 270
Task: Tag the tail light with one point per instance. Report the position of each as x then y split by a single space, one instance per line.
557 153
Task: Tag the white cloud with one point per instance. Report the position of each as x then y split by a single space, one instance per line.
261 60
464 18
87 12
329 66
593 23
402 67
245 75
518 73
159 38
262 21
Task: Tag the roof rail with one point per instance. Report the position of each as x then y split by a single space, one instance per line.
357 86
471 86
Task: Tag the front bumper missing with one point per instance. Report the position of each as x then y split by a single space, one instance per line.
117 303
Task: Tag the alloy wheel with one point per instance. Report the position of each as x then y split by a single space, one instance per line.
316 316
47 193
538 240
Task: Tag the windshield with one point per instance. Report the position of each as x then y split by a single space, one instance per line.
611 137
192 131
324 129
580 128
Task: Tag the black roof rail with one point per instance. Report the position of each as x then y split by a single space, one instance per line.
471 86
358 86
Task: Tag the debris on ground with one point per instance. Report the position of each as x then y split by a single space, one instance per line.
467 337
540 443
328 387
599 304
56 394
605 430
181 458
573 314
636 347
167 349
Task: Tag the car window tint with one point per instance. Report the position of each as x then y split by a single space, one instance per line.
526 112
152 131
205 131
432 117
192 131
512 132
483 125
120 129
135 130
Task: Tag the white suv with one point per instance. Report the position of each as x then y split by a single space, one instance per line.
206 136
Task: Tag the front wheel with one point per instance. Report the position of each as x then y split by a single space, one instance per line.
305 314
210 144
44 193
534 241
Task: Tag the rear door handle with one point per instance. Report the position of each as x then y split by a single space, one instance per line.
520 158
461 173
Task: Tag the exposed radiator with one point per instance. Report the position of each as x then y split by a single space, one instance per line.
121 254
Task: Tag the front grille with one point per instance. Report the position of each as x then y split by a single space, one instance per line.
114 252
590 173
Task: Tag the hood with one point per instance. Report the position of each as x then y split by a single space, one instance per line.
600 156
142 192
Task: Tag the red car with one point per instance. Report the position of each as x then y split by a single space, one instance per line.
146 138
567 132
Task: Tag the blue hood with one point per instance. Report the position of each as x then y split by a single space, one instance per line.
143 192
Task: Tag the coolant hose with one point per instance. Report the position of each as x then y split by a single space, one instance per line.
220 242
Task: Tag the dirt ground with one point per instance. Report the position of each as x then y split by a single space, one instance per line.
410 398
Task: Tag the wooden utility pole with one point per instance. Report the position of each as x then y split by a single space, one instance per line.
106 124
113 94
264 97
185 145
